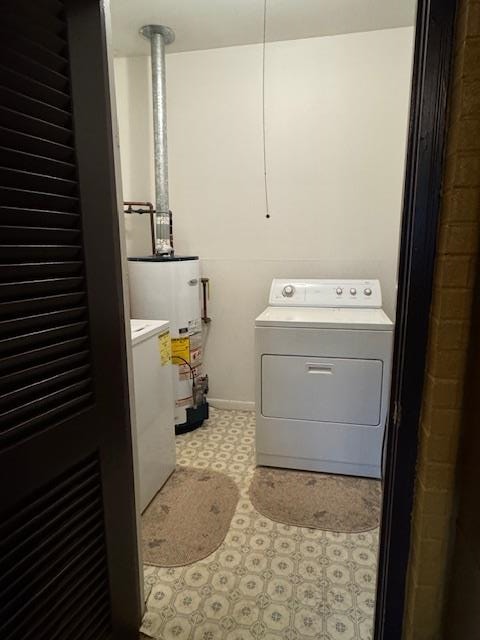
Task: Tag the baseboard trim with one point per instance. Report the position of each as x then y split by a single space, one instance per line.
231 405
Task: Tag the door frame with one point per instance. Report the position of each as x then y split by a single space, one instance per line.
433 55
421 207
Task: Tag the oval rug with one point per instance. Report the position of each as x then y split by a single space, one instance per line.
344 504
189 517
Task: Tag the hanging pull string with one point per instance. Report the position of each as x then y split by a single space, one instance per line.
265 181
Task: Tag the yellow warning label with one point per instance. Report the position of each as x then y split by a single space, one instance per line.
165 348
180 350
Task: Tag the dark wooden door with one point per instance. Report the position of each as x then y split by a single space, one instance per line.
423 180
68 556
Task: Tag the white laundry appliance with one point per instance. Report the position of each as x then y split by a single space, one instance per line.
154 406
323 366
169 287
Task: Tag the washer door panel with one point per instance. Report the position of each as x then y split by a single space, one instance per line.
343 390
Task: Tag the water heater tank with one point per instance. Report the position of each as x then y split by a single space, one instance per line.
168 288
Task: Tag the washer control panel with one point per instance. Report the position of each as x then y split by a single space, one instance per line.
326 293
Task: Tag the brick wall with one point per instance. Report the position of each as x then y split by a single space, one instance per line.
450 322
462 611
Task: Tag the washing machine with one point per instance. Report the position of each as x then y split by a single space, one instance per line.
323 367
154 407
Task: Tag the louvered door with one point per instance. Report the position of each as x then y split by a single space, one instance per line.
68 559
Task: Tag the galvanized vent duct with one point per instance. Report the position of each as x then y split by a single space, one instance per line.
160 36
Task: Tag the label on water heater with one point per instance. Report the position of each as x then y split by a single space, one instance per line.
187 355
165 348
194 326
180 350
196 352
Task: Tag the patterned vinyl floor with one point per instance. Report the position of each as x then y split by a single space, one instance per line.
267 581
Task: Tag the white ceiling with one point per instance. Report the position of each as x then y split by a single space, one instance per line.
208 24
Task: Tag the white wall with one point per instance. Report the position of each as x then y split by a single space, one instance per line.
134 113
336 113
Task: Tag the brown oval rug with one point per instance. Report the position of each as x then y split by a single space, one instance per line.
189 517
317 500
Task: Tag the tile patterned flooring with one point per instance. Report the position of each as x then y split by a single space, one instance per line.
267 581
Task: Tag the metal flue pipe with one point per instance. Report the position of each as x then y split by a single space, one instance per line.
159 37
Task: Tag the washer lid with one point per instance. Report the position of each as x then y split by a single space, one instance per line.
143 329
328 318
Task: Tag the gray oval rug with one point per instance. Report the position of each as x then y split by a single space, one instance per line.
189 517
343 504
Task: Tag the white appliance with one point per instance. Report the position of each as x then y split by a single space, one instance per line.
323 365
154 416
170 288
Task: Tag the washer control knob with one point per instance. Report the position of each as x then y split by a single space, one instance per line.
339 291
288 291
367 292
353 291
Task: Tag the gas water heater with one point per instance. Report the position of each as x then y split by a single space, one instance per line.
169 288
165 286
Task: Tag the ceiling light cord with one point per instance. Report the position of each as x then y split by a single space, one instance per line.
265 181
